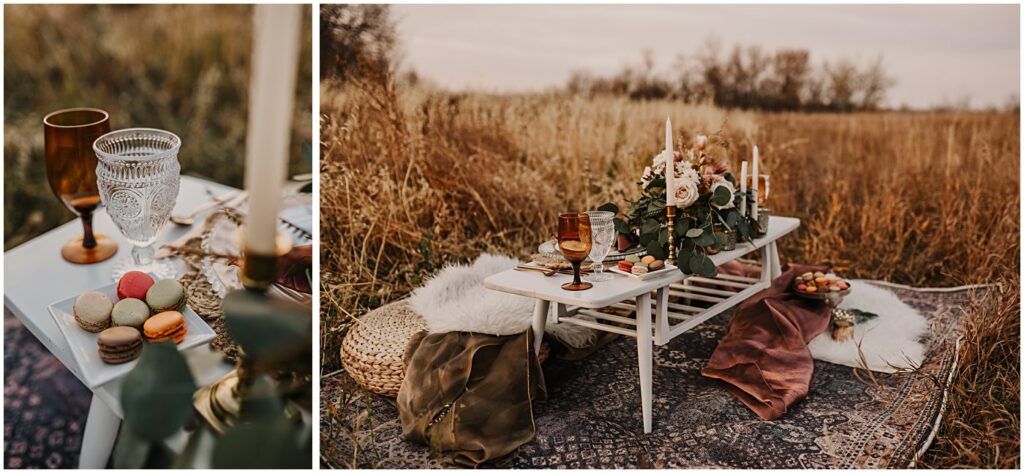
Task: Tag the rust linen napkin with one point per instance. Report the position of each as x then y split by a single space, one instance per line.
764 358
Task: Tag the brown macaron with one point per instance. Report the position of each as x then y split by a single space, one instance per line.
169 325
119 344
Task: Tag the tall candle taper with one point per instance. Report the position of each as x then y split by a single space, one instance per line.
670 192
743 189
271 100
753 186
670 175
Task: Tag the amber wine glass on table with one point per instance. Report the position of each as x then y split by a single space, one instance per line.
574 243
71 171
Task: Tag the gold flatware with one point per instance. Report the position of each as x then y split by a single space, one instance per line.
544 271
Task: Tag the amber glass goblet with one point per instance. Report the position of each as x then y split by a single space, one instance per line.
71 170
574 243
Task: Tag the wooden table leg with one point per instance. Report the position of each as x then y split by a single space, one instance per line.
540 318
661 316
645 355
774 256
99 436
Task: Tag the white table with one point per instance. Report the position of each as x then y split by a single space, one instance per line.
680 302
35 275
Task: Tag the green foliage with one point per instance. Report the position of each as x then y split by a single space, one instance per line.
157 394
266 443
694 229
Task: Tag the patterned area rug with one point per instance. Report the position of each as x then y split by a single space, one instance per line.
45 406
592 417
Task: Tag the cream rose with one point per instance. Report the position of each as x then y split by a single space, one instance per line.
686 192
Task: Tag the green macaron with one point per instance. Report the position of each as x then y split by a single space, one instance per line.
166 294
130 312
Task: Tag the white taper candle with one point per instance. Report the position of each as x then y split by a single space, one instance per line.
753 185
271 99
670 175
743 189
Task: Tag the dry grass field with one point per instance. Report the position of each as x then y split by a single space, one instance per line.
413 179
184 68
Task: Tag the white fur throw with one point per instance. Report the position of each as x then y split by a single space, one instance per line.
889 342
455 300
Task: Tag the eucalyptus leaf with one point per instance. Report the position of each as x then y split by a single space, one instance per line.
719 238
267 329
262 402
663 236
721 196
702 265
650 226
655 249
682 226
732 218
706 238
609 207
157 393
131 451
277 444
621 226
694 232
744 228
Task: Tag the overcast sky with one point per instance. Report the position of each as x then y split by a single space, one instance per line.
937 54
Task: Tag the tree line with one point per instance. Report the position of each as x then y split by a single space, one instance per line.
361 39
747 77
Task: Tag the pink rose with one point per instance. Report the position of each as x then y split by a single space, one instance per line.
686 192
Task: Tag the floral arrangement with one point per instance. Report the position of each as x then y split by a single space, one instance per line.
707 203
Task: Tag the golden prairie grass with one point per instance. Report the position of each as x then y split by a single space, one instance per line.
412 179
184 68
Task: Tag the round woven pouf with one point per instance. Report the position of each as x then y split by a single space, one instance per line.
372 351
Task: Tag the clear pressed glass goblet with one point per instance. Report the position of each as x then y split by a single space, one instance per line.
602 234
138 176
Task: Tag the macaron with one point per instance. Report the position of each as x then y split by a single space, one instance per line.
166 294
656 265
648 259
130 312
134 284
169 325
625 265
633 259
639 269
92 311
119 344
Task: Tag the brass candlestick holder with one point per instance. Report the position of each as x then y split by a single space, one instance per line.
670 212
220 403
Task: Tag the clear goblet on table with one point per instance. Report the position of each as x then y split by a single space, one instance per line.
138 177
602 231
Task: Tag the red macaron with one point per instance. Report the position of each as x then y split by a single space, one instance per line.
134 284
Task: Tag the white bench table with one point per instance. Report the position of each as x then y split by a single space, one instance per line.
35 275
678 300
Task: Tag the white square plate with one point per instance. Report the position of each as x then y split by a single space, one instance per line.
83 343
647 275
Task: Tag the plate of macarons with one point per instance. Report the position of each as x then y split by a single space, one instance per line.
642 268
107 327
